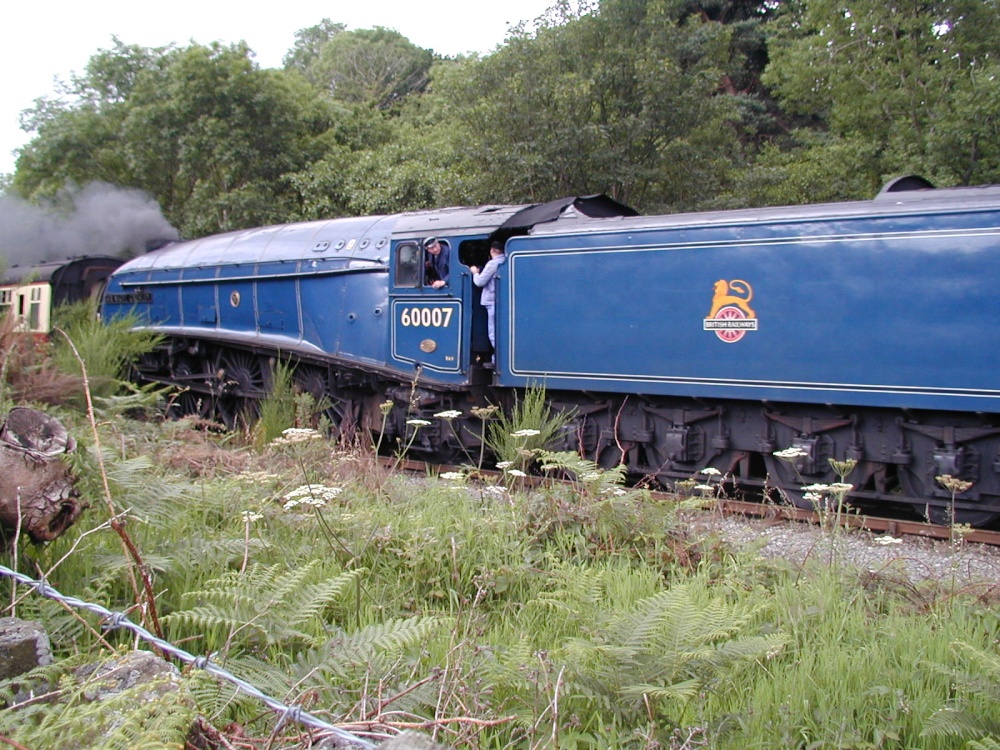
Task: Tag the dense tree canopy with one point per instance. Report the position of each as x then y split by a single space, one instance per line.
665 104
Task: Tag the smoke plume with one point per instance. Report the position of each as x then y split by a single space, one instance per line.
99 219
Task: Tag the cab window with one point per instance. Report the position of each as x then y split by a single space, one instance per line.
409 265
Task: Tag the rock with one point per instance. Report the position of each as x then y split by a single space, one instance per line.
136 668
410 740
24 645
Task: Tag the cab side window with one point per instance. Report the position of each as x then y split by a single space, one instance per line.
409 265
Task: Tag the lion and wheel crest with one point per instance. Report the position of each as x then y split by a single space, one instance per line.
731 316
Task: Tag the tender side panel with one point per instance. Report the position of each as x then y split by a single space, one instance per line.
893 312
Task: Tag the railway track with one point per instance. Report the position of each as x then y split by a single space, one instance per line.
894 526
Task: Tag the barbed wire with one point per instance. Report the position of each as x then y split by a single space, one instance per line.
120 620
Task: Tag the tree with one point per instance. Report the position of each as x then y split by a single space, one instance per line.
623 99
309 44
376 67
212 137
907 75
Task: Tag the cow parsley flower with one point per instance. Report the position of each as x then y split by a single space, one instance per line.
316 495
449 414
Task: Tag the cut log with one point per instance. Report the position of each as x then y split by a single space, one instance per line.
37 490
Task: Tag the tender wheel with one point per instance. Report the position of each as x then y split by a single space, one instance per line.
915 486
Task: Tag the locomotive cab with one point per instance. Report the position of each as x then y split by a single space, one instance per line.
438 324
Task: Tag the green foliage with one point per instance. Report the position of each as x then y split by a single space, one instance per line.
107 348
590 480
529 426
976 686
665 651
150 716
261 607
376 67
278 409
621 100
591 616
897 77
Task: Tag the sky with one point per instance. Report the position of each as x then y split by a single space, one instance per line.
45 40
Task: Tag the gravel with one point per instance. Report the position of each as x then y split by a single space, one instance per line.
918 558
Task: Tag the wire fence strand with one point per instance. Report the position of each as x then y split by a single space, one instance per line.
121 620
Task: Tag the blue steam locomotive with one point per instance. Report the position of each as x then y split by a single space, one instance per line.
858 331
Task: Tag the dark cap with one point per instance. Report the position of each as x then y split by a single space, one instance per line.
430 241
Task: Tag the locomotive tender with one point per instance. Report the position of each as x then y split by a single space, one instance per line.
862 330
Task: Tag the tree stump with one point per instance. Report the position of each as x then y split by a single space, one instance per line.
37 492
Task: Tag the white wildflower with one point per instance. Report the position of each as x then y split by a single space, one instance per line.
296 435
516 473
255 477
526 433
505 464
249 516
453 475
710 471
449 414
417 422
817 488
839 487
316 495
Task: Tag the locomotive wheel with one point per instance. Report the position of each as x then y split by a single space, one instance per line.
244 381
190 402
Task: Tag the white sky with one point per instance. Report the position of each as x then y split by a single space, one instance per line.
44 40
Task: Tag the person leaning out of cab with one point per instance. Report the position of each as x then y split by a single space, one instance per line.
436 263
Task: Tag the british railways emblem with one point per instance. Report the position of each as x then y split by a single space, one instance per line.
731 315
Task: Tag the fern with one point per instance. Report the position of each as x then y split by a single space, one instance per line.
266 605
591 480
343 668
966 719
667 649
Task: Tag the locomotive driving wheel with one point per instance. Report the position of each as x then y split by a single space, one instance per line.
243 380
190 372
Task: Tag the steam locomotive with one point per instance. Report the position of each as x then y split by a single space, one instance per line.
863 332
